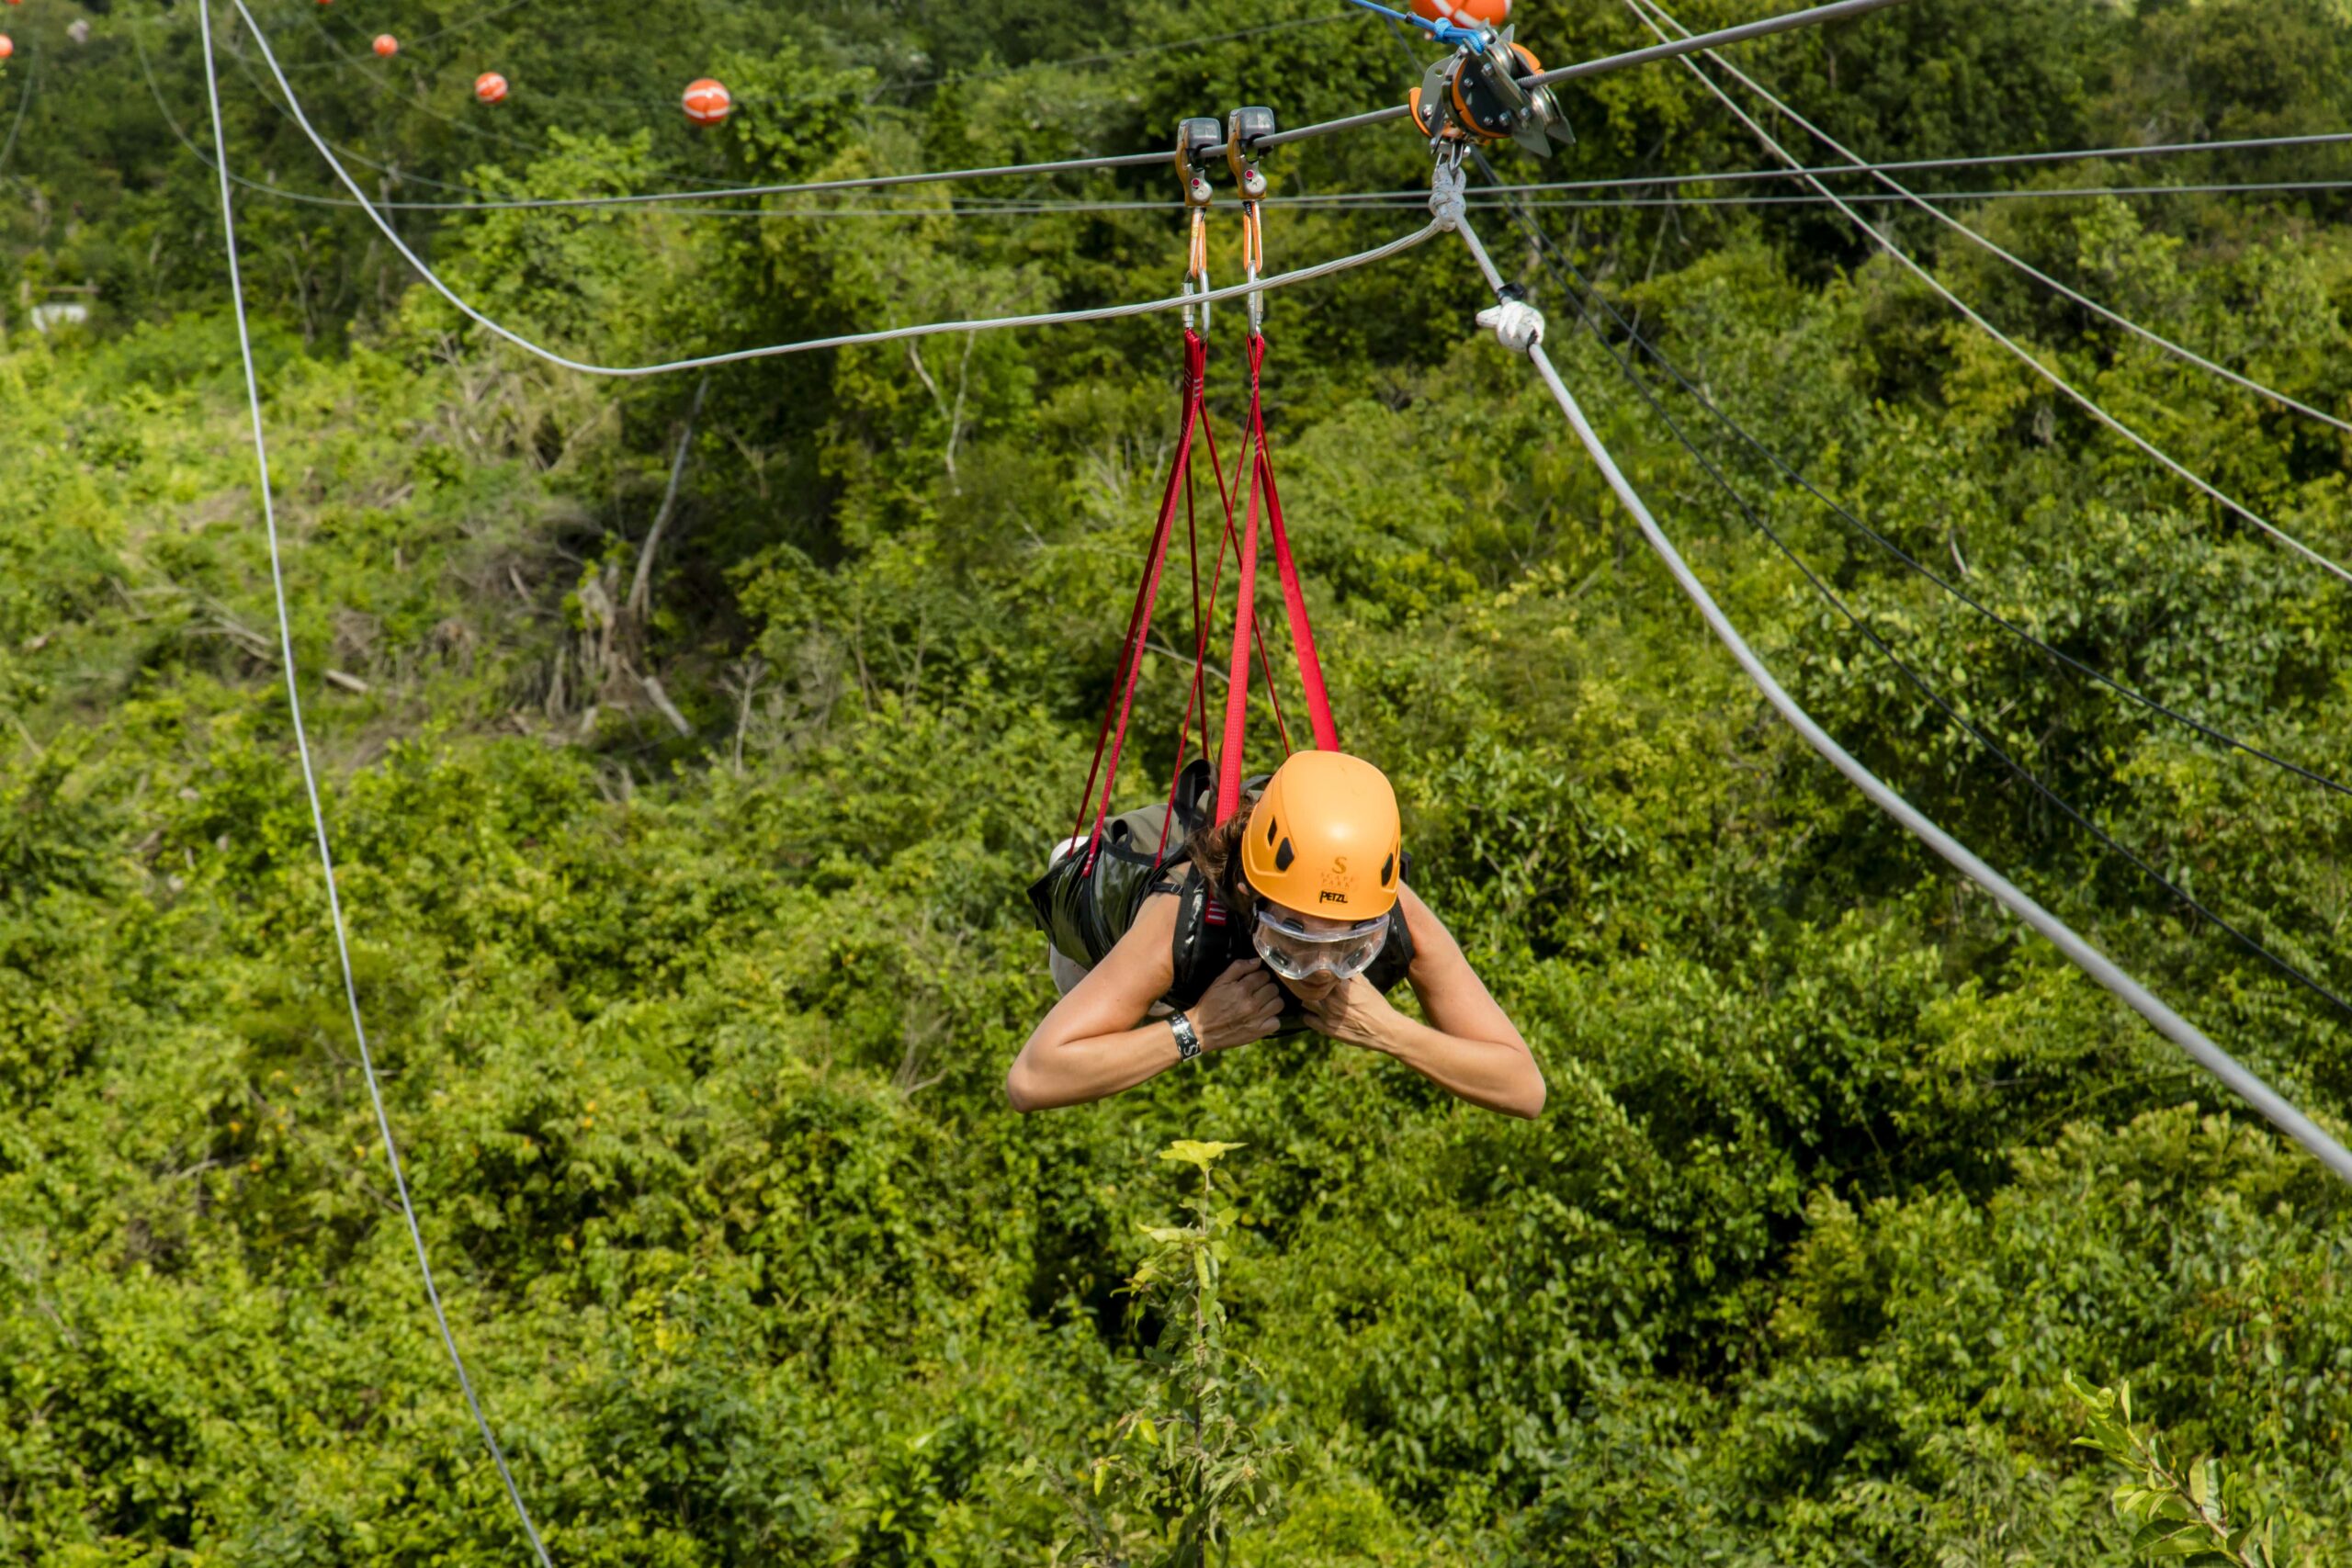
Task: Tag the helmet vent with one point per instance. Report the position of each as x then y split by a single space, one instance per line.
1284 856
1272 827
1388 870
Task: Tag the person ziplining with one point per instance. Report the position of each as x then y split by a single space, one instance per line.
1234 926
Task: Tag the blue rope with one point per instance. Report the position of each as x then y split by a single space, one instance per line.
1444 32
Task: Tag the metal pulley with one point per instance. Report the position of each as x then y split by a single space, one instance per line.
1480 94
1244 129
1195 140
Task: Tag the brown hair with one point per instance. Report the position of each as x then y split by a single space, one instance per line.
1217 852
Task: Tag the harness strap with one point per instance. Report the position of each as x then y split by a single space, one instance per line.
1122 705
1302 631
1245 618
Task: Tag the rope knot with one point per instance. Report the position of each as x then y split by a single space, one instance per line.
1448 201
1517 326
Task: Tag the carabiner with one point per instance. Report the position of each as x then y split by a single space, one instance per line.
1244 129
1196 139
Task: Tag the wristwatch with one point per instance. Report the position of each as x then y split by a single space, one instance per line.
1188 1045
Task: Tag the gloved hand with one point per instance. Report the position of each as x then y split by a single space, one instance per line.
1517 326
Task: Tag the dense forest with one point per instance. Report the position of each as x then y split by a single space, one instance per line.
688 743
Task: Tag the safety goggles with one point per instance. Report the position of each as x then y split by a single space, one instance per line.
1297 952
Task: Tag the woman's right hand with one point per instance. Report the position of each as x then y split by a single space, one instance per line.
1242 1004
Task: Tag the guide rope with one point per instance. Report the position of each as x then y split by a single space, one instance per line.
2250 1087
2022 355
318 811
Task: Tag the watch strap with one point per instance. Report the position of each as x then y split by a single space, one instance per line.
1188 1042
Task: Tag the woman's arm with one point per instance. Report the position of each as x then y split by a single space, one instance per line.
1469 1046
1090 1047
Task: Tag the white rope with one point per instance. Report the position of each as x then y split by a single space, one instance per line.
2267 1101
318 811
1861 165
845 340
2022 355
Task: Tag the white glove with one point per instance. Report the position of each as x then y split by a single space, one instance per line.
1518 325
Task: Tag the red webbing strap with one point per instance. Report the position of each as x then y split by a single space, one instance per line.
1139 620
1242 468
1196 695
1302 632
1245 620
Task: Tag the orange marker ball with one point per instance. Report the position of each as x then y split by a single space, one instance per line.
707 102
1464 13
387 45
490 88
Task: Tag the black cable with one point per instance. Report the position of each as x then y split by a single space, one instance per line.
1640 384
2220 737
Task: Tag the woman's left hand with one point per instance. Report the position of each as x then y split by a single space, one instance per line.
1355 1011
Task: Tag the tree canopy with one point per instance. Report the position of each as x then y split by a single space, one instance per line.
688 923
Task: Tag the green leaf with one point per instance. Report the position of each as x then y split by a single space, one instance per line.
1191 1151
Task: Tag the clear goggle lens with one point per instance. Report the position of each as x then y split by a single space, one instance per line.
1296 952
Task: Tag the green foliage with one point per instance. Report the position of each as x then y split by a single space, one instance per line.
1192 1459
2193 1512
695 1042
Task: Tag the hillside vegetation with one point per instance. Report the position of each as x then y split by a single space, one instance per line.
689 928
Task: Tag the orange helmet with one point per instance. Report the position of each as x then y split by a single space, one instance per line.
1464 13
1324 838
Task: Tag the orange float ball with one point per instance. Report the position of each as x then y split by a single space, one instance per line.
387 45
489 86
1464 13
707 102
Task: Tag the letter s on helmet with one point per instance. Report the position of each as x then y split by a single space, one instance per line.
1323 838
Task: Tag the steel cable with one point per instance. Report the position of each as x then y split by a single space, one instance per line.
2220 737
318 810
2245 939
845 340
2082 399
1862 166
2281 1112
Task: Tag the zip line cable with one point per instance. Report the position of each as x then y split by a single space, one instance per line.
1993 160
2014 348
2250 1087
1554 258
1862 166
1548 251
1910 673
318 811
1670 50
1837 11
490 202
846 340
1584 289
1866 198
